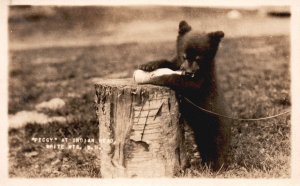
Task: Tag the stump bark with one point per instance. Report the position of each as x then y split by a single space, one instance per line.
144 123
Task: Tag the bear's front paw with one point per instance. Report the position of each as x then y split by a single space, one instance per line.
148 67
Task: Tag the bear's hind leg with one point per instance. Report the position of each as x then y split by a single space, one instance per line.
210 147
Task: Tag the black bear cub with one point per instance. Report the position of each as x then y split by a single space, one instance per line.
195 56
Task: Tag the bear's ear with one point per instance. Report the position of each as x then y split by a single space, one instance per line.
184 27
216 36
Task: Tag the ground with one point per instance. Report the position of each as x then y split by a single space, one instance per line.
59 52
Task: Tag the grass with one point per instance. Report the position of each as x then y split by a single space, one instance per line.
255 84
253 72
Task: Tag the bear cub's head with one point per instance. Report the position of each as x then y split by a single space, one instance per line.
196 51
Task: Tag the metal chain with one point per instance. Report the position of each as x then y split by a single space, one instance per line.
240 119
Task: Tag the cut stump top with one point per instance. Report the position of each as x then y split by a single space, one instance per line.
126 83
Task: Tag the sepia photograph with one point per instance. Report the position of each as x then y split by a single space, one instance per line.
149 91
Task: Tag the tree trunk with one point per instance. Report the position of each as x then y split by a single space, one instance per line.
144 123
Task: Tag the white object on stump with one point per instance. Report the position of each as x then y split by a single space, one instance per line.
142 77
144 124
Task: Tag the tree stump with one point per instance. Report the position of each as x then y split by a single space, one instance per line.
144 124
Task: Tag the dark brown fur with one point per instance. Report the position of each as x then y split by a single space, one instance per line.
195 55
